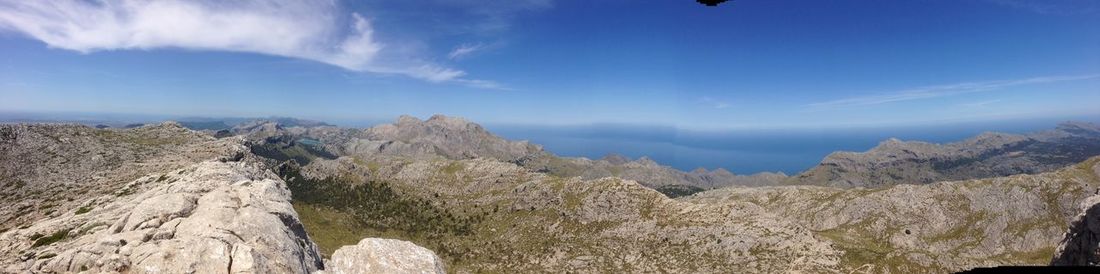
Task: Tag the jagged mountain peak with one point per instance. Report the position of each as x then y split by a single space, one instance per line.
437 121
407 127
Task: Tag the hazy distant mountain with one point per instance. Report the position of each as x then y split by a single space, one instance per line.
987 155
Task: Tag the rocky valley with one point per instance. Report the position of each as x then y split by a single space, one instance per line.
445 195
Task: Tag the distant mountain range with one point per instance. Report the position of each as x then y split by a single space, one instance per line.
987 155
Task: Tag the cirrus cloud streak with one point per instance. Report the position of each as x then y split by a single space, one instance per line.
317 30
929 92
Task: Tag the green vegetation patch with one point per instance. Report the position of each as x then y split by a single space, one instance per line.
83 209
453 167
353 211
330 228
285 148
52 238
674 191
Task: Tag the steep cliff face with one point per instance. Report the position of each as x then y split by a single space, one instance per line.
985 156
1080 245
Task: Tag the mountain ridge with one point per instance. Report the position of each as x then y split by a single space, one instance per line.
987 155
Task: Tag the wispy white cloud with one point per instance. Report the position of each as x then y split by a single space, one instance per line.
318 30
714 103
465 50
929 92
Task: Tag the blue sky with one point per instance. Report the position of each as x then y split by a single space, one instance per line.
744 64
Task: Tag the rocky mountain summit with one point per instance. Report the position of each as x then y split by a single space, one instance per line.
227 216
988 155
449 137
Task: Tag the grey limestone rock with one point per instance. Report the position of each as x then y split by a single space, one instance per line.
210 217
374 255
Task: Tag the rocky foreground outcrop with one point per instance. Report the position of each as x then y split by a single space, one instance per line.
49 169
152 199
213 216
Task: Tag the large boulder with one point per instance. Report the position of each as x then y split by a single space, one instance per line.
373 255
